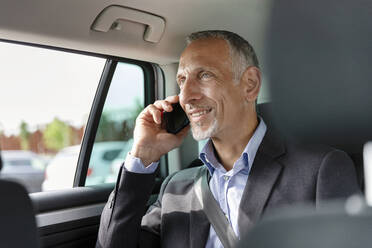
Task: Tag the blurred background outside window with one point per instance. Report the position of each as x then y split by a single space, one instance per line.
45 99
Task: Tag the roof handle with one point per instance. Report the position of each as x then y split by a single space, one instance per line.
155 25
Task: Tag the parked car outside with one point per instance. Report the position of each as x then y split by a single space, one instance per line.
118 161
61 170
25 167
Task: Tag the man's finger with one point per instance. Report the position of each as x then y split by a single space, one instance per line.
164 105
172 99
156 113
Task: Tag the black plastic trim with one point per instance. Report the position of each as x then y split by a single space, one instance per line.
149 78
76 197
68 198
71 225
164 169
84 236
93 122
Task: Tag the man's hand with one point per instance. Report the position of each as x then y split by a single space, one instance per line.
151 141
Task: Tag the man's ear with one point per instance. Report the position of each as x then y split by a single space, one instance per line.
251 81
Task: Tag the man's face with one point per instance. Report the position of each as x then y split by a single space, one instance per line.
208 93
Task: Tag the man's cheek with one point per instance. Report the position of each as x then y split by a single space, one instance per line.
211 92
182 100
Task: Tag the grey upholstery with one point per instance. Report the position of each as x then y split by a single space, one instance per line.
319 64
331 227
320 77
17 220
319 55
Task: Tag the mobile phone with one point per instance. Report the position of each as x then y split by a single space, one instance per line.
176 120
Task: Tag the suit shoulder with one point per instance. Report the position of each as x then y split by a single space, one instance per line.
312 154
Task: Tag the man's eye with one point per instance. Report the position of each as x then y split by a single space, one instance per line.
181 81
205 75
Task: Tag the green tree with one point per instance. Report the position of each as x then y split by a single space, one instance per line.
24 134
57 135
133 113
105 130
110 130
137 108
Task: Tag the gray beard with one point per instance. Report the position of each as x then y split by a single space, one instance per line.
199 134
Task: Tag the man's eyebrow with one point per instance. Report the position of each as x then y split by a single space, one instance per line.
179 76
197 70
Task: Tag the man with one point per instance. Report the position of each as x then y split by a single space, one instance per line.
251 169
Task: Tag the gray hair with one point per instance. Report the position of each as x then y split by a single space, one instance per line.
241 52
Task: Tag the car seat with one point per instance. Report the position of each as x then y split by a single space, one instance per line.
334 225
319 63
17 219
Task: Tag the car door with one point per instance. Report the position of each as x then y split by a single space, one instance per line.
70 217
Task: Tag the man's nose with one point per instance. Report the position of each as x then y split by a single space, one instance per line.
190 92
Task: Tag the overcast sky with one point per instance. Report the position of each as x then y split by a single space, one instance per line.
37 85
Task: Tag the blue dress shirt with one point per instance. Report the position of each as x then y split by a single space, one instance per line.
226 186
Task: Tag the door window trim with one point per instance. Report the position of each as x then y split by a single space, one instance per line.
97 108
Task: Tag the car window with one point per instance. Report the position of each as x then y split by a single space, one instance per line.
45 99
111 155
114 137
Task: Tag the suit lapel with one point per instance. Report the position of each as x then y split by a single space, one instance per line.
263 175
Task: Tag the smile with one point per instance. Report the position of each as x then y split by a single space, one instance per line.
200 113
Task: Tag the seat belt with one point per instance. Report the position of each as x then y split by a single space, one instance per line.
213 211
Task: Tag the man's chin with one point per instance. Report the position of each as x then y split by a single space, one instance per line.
199 136
200 133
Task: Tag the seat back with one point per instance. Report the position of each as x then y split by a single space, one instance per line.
320 86
306 228
319 68
17 220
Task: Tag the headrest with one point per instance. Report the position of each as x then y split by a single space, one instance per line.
319 64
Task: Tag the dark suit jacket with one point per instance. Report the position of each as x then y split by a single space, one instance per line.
281 174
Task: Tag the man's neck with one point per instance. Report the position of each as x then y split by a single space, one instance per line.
229 148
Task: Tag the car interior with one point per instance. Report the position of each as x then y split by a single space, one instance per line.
316 88
16 221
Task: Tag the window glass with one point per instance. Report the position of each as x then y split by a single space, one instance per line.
45 99
114 138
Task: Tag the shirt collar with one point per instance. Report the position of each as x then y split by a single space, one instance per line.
209 159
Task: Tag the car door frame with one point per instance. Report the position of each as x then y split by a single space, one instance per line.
70 217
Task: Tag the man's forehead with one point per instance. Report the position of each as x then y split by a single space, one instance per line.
204 53
206 45
197 64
